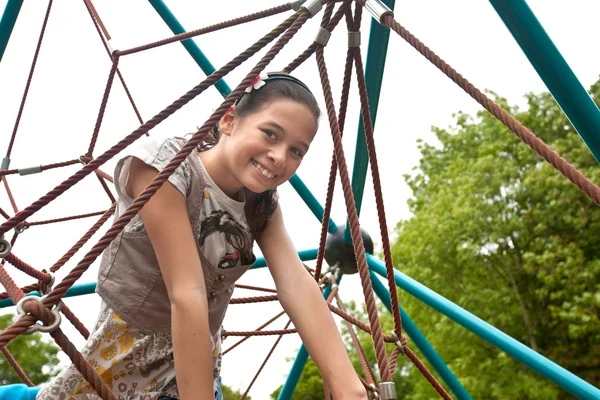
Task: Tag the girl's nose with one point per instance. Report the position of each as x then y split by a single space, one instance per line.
278 157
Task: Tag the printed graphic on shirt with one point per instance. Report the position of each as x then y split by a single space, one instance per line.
238 248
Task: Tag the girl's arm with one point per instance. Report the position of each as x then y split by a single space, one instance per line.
167 222
303 301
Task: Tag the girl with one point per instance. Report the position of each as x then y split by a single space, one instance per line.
166 280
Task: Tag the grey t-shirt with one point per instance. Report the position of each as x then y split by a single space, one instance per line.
129 279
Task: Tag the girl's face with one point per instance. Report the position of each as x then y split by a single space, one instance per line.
264 149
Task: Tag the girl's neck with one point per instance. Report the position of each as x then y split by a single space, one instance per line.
217 170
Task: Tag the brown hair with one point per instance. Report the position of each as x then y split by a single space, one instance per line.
260 206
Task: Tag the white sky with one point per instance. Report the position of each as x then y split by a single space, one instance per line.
73 67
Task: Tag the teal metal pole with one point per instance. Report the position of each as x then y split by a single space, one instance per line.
311 201
189 44
421 342
552 371
553 69
7 23
305 255
376 54
76 290
301 358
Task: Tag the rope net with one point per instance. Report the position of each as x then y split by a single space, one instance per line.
43 313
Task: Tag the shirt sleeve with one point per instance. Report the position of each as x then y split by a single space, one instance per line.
156 153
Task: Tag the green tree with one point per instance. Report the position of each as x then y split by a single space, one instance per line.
230 394
501 233
310 384
37 358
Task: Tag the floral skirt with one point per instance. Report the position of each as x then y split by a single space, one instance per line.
133 364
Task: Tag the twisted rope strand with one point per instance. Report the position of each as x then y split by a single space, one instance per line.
15 365
357 241
147 126
5 172
570 172
269 322
29 79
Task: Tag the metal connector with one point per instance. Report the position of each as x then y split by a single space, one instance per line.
296 4
313 7
5 163
353 39
37 327
378 9
323 36
30 170
387 391
4 247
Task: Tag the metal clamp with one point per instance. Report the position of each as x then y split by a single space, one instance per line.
387 391
313 7
30 170
398 343
37 327
22 227
296 4
51 283
378 9
5 163
323 36
84 159
4 247
353 39
374 393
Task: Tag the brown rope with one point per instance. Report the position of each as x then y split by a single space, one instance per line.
269 322
430 378
5 172
570 172
341 122
260 289
147 126
357 240
15 365
75 321
359 349
63 219
92 10
259 333
100 28
29 78
296 21
256 299
265 362
212 28
11 198
26 268
385 241
105 187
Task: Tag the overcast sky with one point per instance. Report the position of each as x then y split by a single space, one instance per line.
71 74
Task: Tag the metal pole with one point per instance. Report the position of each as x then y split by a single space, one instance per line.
311 201
376 54
301 358
421 342
557 374
553 69
7 23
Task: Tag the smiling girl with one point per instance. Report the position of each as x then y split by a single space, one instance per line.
166 280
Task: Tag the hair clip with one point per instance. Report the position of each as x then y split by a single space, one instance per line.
257 83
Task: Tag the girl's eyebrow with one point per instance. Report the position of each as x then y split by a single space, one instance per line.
280 128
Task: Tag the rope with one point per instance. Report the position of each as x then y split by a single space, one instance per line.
570 172
341 122
63 219
265 361
237 285
146 127
15 365
212 28
385 241
296 21
269 322
29 78
354 224
5 172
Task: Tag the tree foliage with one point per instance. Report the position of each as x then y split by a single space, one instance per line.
230 394
498 231
37 358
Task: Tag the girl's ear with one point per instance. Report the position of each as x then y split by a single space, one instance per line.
227 121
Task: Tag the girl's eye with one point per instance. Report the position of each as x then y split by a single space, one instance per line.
270 135
296 151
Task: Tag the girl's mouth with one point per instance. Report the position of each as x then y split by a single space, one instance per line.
262 170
